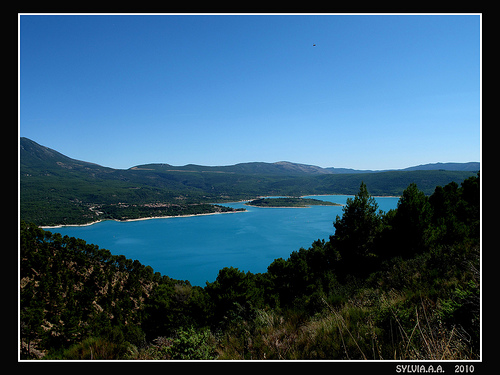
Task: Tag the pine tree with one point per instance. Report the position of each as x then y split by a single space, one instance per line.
355 233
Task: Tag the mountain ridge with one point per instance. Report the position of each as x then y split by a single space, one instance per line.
284 167
46 154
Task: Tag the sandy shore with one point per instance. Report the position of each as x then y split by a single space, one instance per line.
374 196
309 206
211 213
249 205
69 225
138 219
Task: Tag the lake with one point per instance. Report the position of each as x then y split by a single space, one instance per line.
196 248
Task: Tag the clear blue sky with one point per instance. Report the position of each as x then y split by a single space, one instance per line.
376 92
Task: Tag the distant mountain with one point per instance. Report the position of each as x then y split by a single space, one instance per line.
470 167
334 170
39 159
289 168
251 168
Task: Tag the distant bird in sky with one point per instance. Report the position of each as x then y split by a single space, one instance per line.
314 45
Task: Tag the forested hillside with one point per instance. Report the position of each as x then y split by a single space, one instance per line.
289 202
58 190
399 285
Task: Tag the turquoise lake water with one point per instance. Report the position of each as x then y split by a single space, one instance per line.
196 248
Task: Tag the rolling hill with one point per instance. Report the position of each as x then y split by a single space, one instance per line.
289 168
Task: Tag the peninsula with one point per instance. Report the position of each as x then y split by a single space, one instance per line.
289 202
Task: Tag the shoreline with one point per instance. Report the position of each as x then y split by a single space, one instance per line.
317 205
309 206
138 219
210 213
350 195
324 203
249 205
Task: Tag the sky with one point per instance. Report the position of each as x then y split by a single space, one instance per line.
346 91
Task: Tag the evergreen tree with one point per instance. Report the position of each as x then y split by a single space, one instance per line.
230 295
408 224
355 233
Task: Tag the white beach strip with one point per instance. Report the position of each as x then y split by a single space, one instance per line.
139 219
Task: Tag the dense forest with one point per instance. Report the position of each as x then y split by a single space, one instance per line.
289 202
398 285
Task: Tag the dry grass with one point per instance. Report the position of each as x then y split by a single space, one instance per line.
429 339
353 330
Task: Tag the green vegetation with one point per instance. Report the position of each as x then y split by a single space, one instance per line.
289 202
398 285
134 211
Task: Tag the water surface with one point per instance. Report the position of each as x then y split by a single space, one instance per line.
196 248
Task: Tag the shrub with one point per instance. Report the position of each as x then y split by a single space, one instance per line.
185 344
95 348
